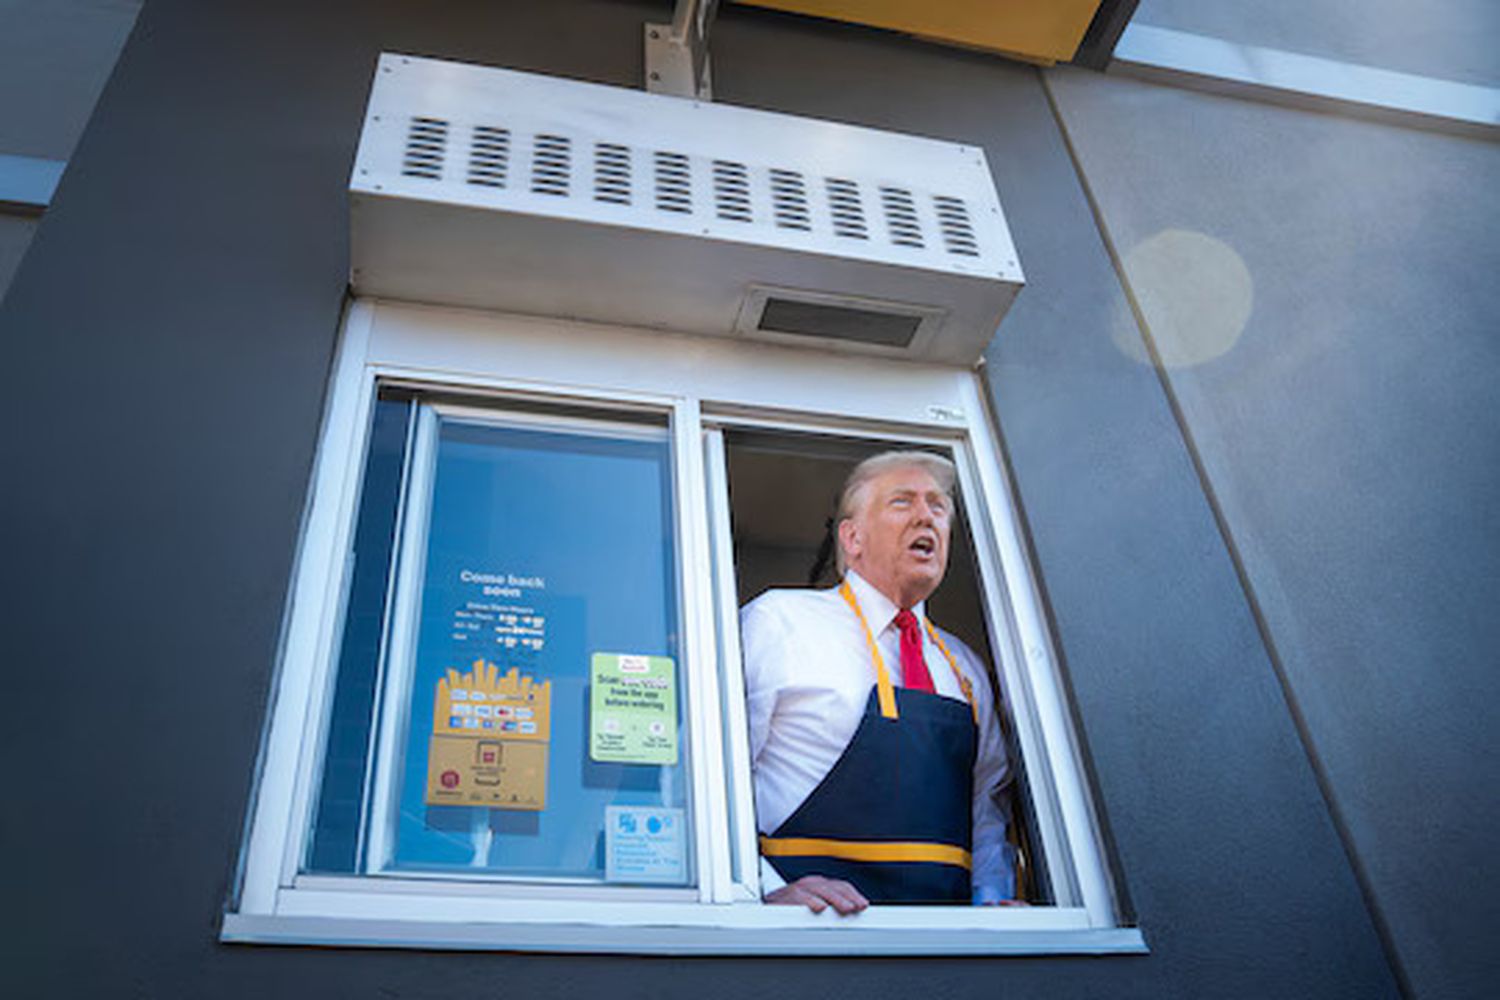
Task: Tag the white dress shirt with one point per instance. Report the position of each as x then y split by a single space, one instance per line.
808 676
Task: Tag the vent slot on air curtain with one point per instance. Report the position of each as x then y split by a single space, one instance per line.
489 156
846 209
674 191
901 217
551 164
612 173
731 191
426 146
958 230
789 200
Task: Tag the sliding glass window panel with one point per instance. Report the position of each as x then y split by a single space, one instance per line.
530 724
336 836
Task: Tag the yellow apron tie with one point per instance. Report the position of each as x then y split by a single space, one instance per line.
866 850
883 677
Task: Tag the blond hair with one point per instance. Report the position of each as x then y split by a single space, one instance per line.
857 487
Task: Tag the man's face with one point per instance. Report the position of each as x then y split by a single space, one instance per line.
898 540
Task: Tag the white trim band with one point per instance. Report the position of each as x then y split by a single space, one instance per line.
1306 81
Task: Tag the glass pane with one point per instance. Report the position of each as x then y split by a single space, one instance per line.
548 571
334 843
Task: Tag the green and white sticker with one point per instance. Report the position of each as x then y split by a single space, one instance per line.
633 709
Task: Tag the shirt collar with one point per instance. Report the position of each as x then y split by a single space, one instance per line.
880 611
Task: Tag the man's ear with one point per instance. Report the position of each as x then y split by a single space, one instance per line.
849 539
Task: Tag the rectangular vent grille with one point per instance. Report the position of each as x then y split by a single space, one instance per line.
885 214
612 173
426 145
674 189
551 164
953 220
489 156
901 217
732 191
789 200
846 209
813 319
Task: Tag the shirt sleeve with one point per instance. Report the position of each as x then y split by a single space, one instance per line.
993 874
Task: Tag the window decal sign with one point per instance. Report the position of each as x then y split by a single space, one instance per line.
633 709
644 845
489 740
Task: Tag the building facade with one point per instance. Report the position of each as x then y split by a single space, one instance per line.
1244 402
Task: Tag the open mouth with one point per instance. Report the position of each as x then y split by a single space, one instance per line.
923 546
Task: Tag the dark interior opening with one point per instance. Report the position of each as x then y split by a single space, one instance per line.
783 493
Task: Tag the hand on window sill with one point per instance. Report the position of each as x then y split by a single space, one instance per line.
817 894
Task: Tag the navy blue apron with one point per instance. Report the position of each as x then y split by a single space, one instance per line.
894 816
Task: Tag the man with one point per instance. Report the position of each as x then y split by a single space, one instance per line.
878 760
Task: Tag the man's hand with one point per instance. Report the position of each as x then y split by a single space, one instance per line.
818 893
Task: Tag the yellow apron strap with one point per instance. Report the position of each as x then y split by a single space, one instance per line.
958 675
865 850
882 676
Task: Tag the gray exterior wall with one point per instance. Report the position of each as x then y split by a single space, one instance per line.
169 342
15 236
55 56
1321 292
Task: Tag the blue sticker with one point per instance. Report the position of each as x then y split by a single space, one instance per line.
644 844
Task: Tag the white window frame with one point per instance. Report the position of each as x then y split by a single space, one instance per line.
703 386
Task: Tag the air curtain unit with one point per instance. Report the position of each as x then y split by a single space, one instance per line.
509 191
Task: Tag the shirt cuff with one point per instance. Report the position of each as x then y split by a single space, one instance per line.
987 895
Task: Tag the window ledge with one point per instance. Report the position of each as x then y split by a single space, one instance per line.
363 920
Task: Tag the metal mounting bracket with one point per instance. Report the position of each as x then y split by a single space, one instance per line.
677 53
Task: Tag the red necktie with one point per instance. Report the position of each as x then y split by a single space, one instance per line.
914 674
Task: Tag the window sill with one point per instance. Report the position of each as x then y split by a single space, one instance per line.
411 920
